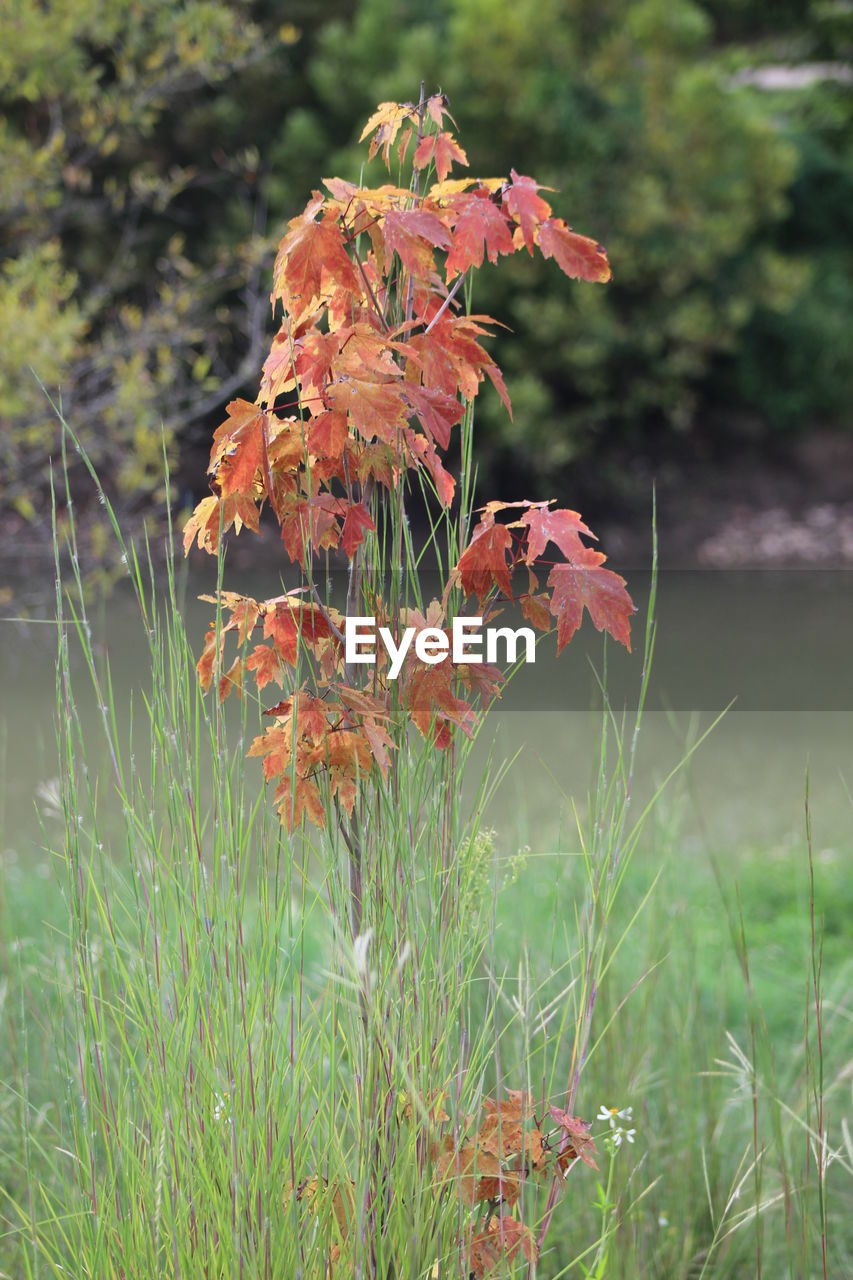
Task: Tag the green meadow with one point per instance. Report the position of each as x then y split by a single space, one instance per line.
174 1154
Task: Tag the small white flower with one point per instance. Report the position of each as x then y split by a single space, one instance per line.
618 1134
612 1114
663 1220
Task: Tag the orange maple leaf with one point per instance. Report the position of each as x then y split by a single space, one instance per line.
376 409
413 234
575 1141
503 1238
213 514
483 564
357 521
562 527
437 411
584 584
479 227
526 207
441 147
580 257
265 663
422 452
239 449
311 255
327 435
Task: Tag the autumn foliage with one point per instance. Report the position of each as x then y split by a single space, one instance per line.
482 1165
374 366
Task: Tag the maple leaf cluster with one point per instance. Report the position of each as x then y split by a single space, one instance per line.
372 369
481 1165
576 582
336 735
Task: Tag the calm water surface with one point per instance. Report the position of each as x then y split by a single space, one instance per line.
780 644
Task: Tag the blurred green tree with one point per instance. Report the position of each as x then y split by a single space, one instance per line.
792 368
621 105
133 228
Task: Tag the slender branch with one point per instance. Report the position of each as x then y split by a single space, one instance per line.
416 190
355 573
326 616
369 287
445 304
352 836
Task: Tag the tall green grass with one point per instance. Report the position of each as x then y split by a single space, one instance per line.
216 1070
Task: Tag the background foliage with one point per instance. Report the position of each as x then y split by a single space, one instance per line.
151 153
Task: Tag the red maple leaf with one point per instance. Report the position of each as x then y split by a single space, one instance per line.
413 234
483 564
327 435
574 1138
444 148
562 527
437 411
479 226
452 359
376 409
527 208
535 609
266 664
423 453
431 703
503 1238
580 257
311 253
314 353
357 521
436 109
238 449
310 525
584 584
